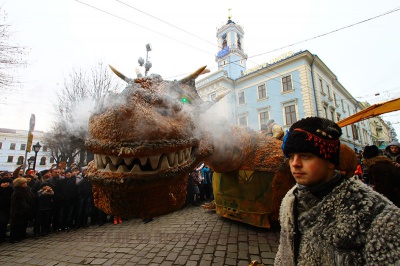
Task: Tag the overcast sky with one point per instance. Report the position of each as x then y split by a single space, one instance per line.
66 34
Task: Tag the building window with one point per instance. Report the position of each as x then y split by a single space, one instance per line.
328 89
347 131
287 83
241 98
262 92
12 146
355 132
224 44
52 160
337 117
44 148
333 115
325 112
1 145
335 100
10 159
23 146
290 114
43 161
243 121
20 160
321 85
343 109
264 117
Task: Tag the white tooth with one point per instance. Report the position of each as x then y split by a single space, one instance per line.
176 162
154 161
136 169
164 163
97 161
171 158
122 169
143 160
180 156
103 159
128 161
187 154
116 160
110 168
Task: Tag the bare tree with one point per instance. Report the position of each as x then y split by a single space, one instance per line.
81 91
11 55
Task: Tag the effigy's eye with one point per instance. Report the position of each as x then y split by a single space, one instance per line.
185 100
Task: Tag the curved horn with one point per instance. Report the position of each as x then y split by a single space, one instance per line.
120 75
193 76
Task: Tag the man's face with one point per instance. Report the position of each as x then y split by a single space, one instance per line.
68 174
394 149
308 169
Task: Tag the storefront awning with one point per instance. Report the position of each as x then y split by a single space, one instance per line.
373 110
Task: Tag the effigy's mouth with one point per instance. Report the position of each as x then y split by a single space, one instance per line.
142 165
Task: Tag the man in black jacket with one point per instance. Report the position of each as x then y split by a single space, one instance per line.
68 196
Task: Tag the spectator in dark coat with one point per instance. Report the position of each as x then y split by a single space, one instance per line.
22 201
6 191
67 199
383 175
85 196
45 200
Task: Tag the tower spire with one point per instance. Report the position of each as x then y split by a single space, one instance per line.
229 13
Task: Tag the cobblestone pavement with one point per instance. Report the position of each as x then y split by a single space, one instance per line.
191 236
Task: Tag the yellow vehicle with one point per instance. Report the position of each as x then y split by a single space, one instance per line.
251 197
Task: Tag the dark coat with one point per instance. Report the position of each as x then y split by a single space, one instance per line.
68 190
85 188
22 201
385 177
45 199
5 196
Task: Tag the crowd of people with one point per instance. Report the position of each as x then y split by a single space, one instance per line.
199 187
54 200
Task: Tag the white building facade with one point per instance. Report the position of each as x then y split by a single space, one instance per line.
13 148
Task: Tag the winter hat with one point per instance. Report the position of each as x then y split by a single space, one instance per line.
370 151
319 136
19 182
30 172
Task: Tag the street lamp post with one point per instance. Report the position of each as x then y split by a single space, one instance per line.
30 161
36 148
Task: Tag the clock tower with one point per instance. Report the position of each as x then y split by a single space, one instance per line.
230 56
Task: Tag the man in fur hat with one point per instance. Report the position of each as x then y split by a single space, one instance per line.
327 218
393 153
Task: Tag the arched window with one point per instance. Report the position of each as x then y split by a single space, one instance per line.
52 160
239 44
224 44
43 161
20 160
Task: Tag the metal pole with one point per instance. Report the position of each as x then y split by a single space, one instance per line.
34 162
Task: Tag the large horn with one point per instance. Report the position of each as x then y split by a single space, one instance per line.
120 75
193 76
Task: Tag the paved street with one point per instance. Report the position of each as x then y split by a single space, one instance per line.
191 236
